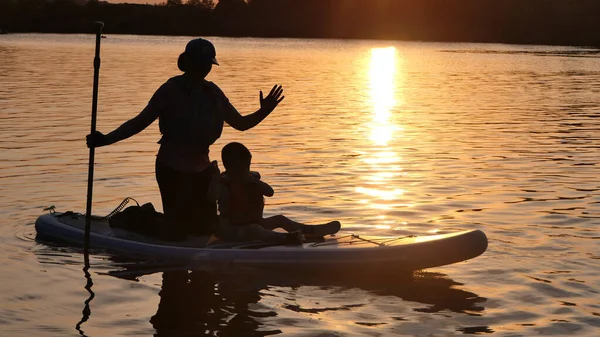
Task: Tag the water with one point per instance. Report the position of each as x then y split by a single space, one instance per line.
390 138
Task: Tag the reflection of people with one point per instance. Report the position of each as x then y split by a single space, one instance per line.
194 304
240 194
207 303
191 112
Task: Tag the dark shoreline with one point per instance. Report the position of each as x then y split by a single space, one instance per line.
592 49
518 22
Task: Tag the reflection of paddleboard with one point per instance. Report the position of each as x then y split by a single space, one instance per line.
342 251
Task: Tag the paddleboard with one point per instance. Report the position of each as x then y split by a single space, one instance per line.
340 251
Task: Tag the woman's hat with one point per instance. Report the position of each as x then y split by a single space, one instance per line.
201 50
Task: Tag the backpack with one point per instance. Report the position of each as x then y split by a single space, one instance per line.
143 220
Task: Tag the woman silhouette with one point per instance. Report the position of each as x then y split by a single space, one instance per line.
191 112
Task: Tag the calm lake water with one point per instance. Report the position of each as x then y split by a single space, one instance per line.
390 138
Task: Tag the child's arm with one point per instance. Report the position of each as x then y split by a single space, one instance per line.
265 188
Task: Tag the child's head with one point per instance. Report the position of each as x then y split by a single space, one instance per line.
236 158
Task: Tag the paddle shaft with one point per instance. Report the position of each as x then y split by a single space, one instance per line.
88 209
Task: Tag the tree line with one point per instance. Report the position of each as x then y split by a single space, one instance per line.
553 22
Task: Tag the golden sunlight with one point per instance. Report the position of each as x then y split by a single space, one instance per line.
383 161
382 76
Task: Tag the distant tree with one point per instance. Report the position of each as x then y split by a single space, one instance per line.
508 21
174 2
231 17
231 6
208 4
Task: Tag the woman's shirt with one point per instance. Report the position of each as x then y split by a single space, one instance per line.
190 119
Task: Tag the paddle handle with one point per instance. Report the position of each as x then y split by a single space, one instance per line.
88 209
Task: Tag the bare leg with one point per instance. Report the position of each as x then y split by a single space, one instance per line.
281 221
257 232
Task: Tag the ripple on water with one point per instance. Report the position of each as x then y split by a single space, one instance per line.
494 137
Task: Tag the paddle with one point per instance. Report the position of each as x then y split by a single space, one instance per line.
88 209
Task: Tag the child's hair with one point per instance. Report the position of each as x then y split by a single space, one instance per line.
234 153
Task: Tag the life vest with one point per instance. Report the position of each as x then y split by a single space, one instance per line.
244 205
192 117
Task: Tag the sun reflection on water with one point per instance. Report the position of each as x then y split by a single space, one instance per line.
382 75
383 161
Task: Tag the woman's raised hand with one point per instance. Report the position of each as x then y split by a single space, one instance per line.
270 102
